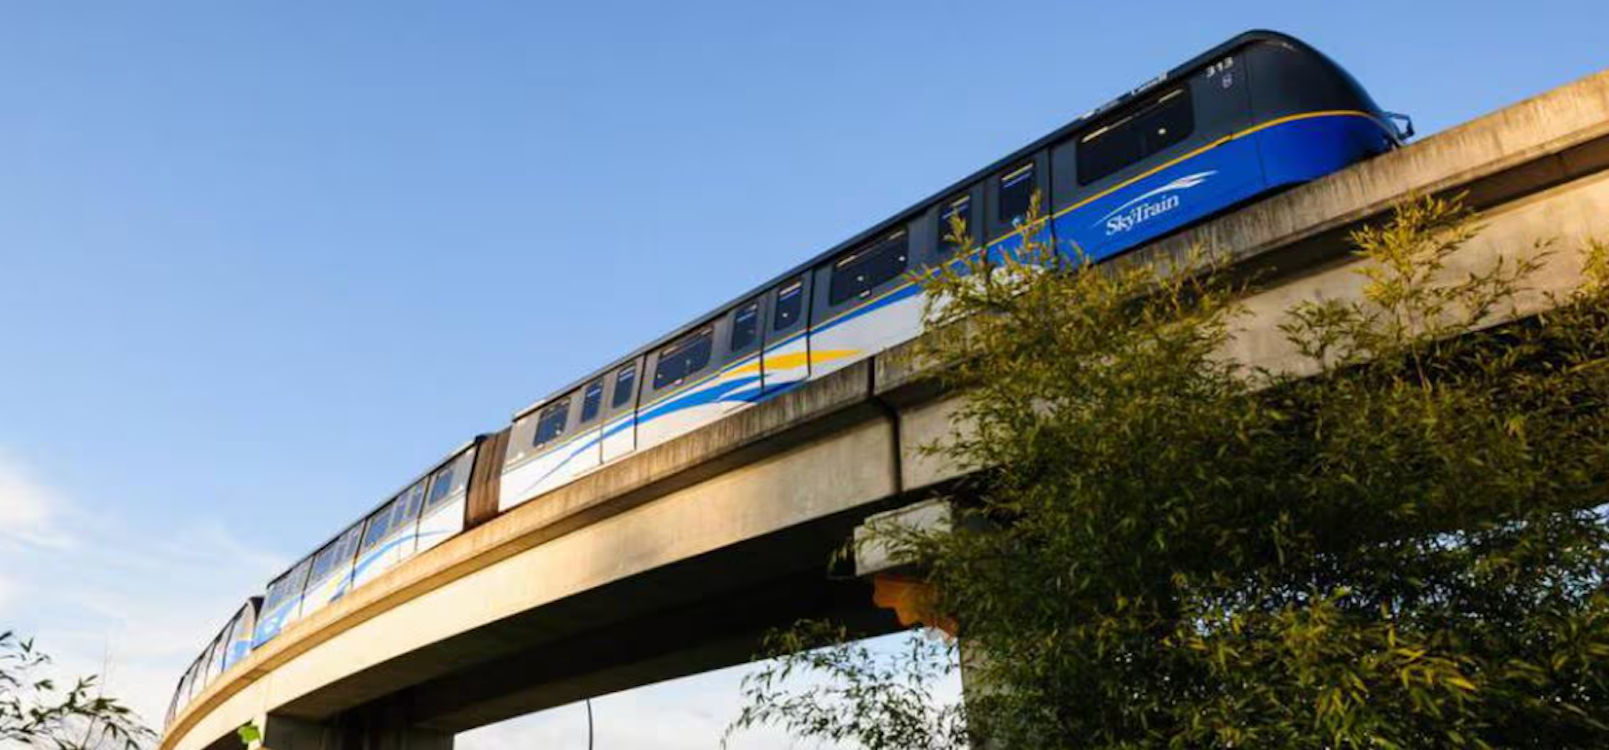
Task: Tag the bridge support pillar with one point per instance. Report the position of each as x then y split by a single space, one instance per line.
384 727
289 733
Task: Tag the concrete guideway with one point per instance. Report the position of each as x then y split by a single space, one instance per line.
671 562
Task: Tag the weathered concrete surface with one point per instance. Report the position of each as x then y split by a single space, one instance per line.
388 725
670 561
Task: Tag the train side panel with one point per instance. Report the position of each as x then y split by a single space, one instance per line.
446 501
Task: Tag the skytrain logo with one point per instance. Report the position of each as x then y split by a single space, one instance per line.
1150 205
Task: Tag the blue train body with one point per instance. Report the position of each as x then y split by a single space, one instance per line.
1270 156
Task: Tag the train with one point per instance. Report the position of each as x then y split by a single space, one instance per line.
1255 115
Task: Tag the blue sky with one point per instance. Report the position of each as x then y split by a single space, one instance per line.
260 263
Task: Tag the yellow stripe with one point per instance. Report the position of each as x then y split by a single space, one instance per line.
1127 183
821 356
707 378
1198 152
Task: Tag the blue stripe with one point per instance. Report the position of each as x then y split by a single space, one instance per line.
375 554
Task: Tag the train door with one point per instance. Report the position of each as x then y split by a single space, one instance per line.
786 362
587 454
1015 195
547 446
332 571
741 380
620 414
443 514
865 302
390 535
680 392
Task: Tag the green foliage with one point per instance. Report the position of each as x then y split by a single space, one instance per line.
1398 543
249 734
34 712
878 700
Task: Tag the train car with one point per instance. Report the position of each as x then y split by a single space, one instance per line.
433 507
1252 116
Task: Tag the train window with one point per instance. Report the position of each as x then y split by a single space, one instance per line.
379 526
683 358
858 273
592 401
1114 146
415 498
551 424
790 305
624 380
337 552
960 210
1168 123
745 326
441 486
288 585
215 658
450 480
325 562
1016 192
405 511
276 593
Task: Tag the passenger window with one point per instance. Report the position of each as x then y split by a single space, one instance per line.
1016 191
683 358
322 563
379 526
415 497
1166 124
288 585
276 592
624 379
551 423
592 401
441 486
790 305
405 512
958 209
325 564
1154 128
745 327
857 274
337 552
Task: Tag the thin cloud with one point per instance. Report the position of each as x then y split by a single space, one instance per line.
108 599
28 509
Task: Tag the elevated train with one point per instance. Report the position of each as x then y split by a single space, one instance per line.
1256 114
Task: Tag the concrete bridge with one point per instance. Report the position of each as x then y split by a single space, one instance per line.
673 561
